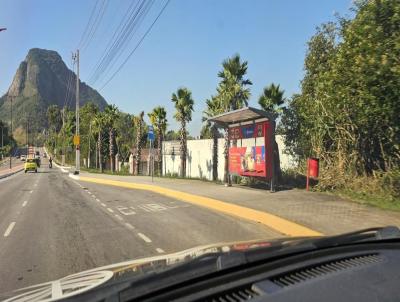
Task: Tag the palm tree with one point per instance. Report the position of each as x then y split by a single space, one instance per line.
233 93
213 108
138 123
98 126
158 118
271 99
184 107
110 115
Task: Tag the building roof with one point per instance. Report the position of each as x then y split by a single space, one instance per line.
241 115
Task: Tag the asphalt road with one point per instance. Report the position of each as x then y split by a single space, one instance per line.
52 226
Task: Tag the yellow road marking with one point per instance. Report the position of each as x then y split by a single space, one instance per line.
279 224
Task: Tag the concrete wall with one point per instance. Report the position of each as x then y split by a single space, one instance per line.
199 161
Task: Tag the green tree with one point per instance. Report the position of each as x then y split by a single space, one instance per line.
125 135
158 118
99 124
139 125
86 114
110 115
272 99
348 111
184 107
233 93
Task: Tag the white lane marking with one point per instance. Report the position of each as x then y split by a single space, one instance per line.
144 237
9 229
143 207
24 203
103 204
94 196
119 217
97 199
56 291
31 191
129 225
35 185
89 192
126 211
110 210
160 251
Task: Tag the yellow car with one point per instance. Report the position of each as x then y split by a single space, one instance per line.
31 165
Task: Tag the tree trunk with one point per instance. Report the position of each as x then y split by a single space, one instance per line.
159 142
215 153
96 156
227 179
112 158
183 149
100 157
138 149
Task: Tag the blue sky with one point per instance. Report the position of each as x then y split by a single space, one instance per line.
185 47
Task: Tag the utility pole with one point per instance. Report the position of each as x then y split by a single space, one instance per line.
77 152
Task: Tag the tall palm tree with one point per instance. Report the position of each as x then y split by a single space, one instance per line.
98 126
213 108
271 99
110 115
233 93
138 123
158 118
184 107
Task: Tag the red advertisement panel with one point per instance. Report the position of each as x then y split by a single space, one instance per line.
247 161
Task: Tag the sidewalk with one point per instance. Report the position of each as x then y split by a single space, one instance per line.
8 172
324 213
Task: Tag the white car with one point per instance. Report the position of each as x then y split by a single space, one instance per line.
23 157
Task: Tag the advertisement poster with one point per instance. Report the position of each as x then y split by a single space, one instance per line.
247 161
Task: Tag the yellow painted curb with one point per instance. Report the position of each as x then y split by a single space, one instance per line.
277 223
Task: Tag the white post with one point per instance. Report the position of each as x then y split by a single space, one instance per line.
131 164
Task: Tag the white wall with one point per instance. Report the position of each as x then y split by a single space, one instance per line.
199 161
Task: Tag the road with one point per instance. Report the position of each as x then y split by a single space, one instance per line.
52 226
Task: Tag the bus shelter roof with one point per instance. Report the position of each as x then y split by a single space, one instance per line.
241 115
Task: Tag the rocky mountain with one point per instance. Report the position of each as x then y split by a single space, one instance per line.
43 79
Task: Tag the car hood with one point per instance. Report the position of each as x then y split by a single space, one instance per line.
94 278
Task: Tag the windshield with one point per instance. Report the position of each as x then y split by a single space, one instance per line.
153 127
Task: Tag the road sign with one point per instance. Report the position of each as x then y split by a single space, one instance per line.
150 134
76 140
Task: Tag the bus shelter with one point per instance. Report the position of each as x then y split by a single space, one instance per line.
252 145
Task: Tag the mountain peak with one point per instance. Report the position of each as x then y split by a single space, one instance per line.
41 80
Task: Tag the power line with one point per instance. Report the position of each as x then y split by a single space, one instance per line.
87 25
136 15
119 53
137 45
95 24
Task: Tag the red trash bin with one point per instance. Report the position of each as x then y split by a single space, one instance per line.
312 169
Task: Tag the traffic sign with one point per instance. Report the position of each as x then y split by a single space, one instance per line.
150 134
76 140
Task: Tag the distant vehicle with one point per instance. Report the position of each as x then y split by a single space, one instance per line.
23 157
44 155
31 165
